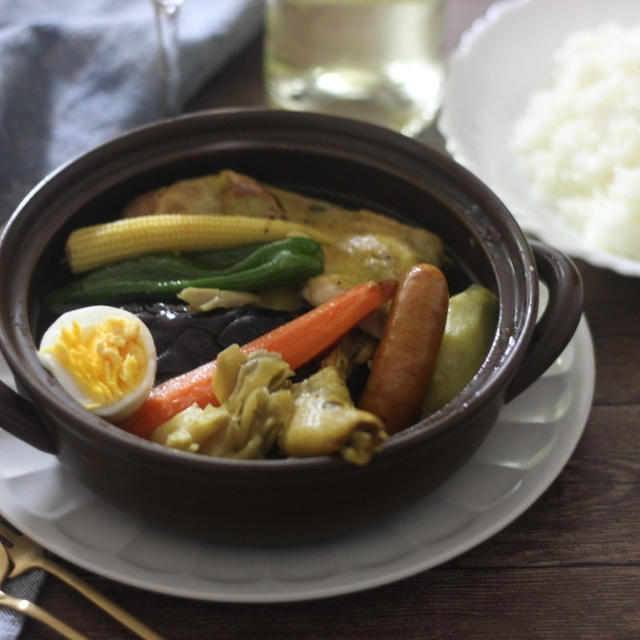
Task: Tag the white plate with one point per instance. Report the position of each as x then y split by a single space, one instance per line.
502 58
524 452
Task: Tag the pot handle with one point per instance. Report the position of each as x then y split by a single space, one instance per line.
558 323
20 418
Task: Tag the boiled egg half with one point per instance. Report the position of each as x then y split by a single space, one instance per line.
104 357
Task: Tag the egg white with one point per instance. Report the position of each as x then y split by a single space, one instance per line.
89 317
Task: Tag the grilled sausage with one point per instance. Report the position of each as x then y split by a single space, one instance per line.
404 361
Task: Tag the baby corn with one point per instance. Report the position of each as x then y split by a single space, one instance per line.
94 246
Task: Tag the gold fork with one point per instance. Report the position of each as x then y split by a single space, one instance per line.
29 608
26 554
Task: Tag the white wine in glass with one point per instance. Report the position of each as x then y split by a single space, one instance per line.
167 12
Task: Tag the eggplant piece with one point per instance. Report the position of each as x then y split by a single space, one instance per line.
185 341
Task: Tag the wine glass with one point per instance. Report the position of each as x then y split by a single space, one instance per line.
166 13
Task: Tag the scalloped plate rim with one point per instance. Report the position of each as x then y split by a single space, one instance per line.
485 525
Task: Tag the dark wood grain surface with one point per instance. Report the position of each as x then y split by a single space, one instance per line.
567 568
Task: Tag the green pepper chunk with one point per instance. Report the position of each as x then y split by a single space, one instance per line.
162 276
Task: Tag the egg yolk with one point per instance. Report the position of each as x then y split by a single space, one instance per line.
106 361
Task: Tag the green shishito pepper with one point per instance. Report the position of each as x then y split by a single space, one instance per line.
162 276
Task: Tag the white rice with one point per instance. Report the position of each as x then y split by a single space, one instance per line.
579 139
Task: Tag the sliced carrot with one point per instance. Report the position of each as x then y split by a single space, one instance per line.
298 341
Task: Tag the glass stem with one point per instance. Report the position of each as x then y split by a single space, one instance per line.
166 12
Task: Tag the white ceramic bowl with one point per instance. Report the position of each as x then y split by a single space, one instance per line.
500 61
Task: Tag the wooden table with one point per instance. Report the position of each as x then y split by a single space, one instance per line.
568 568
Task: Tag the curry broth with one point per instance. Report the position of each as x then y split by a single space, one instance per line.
248 197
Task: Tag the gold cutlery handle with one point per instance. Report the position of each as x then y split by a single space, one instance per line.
100 600
34 611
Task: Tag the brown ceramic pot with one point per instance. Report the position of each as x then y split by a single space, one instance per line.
352 163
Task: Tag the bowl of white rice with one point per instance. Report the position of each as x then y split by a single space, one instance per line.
542 103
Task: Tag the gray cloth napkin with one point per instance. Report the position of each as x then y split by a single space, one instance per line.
25 586
74 74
